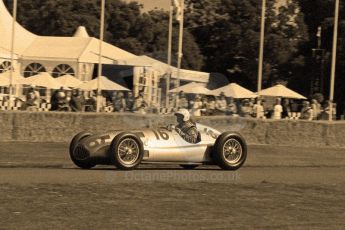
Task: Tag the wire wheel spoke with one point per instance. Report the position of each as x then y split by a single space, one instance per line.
232 151
128 151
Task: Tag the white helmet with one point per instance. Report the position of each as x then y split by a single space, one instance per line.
184 113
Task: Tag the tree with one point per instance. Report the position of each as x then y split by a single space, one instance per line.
320 13
228 34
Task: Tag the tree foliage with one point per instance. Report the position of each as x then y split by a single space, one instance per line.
228 33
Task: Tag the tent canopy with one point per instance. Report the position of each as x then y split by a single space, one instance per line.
281 91
43 80
235 91
192 88
69 81
105 84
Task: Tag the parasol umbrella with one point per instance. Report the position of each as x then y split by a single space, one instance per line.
69 81
43 80
281 91
105 84
235 91
5 78
192 88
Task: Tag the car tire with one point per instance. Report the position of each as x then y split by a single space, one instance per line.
230 151
126 151
85 164
189 167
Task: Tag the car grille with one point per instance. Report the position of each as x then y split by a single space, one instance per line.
81 153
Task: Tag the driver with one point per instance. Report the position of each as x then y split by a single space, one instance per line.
186 128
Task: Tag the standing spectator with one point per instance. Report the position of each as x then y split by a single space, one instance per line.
294 106
252 102
130 101
113 96
68 96
77 101
62 104
277 109
119 102
211 106
258 109
140 105
306 112
30 102
221 104
232 107
54 100
182 101
34 95
246 109
286 108
316 107
204 107
196 106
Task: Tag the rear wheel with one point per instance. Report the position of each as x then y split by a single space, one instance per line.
230 151
190 167
126 151
84 164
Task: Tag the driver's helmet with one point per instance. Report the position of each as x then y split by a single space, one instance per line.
185 113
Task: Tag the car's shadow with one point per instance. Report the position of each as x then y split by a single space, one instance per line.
202 168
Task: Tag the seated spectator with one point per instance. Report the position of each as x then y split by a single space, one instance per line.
286 108
277 109
246 109
130 102
232 107
119 102
307 111
77 101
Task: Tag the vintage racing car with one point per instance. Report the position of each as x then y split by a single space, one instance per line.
127 149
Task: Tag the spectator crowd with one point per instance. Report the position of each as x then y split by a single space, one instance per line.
256 108
198 105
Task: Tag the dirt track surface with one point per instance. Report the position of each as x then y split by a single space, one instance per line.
279 188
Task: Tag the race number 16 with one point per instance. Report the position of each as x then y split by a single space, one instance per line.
161 134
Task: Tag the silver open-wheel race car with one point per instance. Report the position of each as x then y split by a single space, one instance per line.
127 149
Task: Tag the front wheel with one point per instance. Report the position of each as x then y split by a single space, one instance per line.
230 151
85 163
126 151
